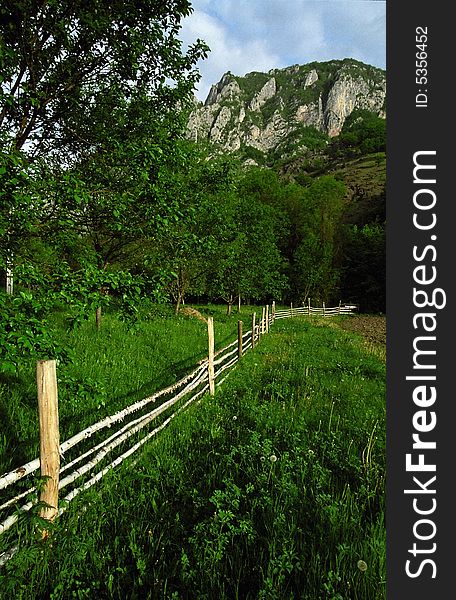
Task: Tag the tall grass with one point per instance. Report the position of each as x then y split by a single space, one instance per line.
273 489
109 370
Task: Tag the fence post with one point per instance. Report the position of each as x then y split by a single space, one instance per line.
263 314
48 411
340 301
308 307
253 329
267 318
273 311
324 309
210 365
240 323
291 308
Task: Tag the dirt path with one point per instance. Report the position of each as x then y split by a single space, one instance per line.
373 328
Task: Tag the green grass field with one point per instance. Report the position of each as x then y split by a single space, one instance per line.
272 489
110 369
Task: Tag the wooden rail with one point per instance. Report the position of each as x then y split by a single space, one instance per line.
130 421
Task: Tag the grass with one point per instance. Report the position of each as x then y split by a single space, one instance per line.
273 489
110 369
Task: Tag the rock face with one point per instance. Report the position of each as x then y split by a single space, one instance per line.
267 91
287 110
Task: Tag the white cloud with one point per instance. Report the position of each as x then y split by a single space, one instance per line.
263 34
227 54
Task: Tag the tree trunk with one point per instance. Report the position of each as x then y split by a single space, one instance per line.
230 305
181 287
98 318
180 300
9 276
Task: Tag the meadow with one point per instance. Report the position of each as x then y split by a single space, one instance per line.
271 489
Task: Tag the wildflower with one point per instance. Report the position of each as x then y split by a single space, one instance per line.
273 458
262 458
362 566
235 418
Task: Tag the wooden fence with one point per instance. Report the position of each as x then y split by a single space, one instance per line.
323 311
74 466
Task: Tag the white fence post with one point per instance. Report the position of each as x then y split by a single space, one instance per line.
253 329
211 344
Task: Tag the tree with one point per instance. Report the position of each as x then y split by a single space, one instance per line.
364 277
62 59
92 96
363 132
19 205
247 261
78 78
314 268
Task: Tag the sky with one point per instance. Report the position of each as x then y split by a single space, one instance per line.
259 35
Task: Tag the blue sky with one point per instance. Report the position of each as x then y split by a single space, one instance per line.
258 35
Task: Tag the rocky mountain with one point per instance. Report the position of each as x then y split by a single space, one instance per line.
263 117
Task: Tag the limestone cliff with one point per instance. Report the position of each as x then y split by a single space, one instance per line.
286 111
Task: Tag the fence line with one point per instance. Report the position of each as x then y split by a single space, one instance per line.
34 465
293 311
197 381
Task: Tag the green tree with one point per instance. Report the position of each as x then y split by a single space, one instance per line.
92 97
364 278
363 132
204 191
315 271
77 79
247 262
61 60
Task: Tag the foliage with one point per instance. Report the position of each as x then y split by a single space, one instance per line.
91 107
363 132
203 190
314 260
24 332
252 83
247 262
364 277
301 140
63 61
19 205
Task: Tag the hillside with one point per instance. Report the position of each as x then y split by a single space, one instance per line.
286 113
364 176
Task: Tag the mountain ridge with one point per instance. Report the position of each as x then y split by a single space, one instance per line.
286 112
